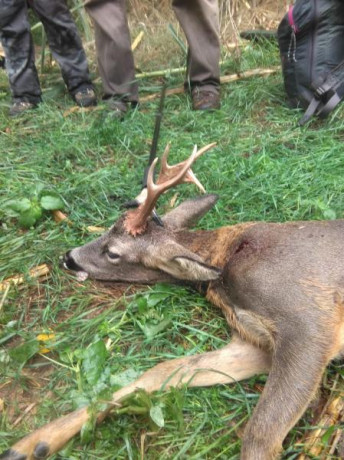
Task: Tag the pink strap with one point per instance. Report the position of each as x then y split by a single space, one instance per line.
291 18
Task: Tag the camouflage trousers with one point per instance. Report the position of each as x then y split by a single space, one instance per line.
64 42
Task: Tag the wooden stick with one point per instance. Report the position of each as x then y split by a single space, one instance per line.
7 288
332 414
249 73
226 79
137 41
35 272
161 73
165 72
336 440
59 216
93 229
24 414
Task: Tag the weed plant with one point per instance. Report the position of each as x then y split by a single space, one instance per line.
100 336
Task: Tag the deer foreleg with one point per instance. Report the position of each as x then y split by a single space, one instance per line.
234 362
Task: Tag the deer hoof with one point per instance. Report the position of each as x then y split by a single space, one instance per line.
41 451
11 454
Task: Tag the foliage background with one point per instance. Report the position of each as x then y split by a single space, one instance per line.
264 168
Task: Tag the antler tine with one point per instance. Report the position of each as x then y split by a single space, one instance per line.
136 220
155 190
164 165
205 149
169 171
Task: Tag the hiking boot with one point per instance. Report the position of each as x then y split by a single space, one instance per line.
205 100
118 107
20 107
85 97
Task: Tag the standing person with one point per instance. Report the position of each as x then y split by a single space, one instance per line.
65 45
199 20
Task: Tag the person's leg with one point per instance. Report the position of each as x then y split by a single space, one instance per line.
66 47
199 20
113 47
17 43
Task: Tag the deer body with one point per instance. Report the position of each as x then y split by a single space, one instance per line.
279 286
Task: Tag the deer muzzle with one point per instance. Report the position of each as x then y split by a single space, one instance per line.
70 264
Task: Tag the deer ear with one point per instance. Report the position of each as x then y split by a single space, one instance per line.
193 270
180 262
189 212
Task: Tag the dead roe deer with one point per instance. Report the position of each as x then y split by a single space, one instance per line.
280 287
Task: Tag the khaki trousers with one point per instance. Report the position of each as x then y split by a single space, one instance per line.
199 20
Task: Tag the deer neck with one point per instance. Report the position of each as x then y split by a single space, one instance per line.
213 246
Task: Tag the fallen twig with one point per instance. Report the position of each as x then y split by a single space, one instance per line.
335 441
223 80
161 73
93 229
26 411
137 41
59 216
35 272
164 72
249 73
7 288
332 414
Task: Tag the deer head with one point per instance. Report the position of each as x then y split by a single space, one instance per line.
138 249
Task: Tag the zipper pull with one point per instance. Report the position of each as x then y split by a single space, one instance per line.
292 46
292 43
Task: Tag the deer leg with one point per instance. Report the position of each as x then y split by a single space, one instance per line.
296 370
234 362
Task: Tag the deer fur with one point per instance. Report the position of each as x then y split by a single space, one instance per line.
279 286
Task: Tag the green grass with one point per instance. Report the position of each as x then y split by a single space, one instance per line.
264 168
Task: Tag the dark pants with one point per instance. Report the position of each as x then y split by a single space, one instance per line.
199 20
63 39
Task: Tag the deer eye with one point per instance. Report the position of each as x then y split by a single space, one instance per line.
113 255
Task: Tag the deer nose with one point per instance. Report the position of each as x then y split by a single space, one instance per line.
69 262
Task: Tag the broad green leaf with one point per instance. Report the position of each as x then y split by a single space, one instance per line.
94 360
328 433
124 378
28 218
142 305
18 206
87 432
157 416
51 202
151 330
79 399
155 298
39 189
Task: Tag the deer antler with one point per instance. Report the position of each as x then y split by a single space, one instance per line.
168 171
136 220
